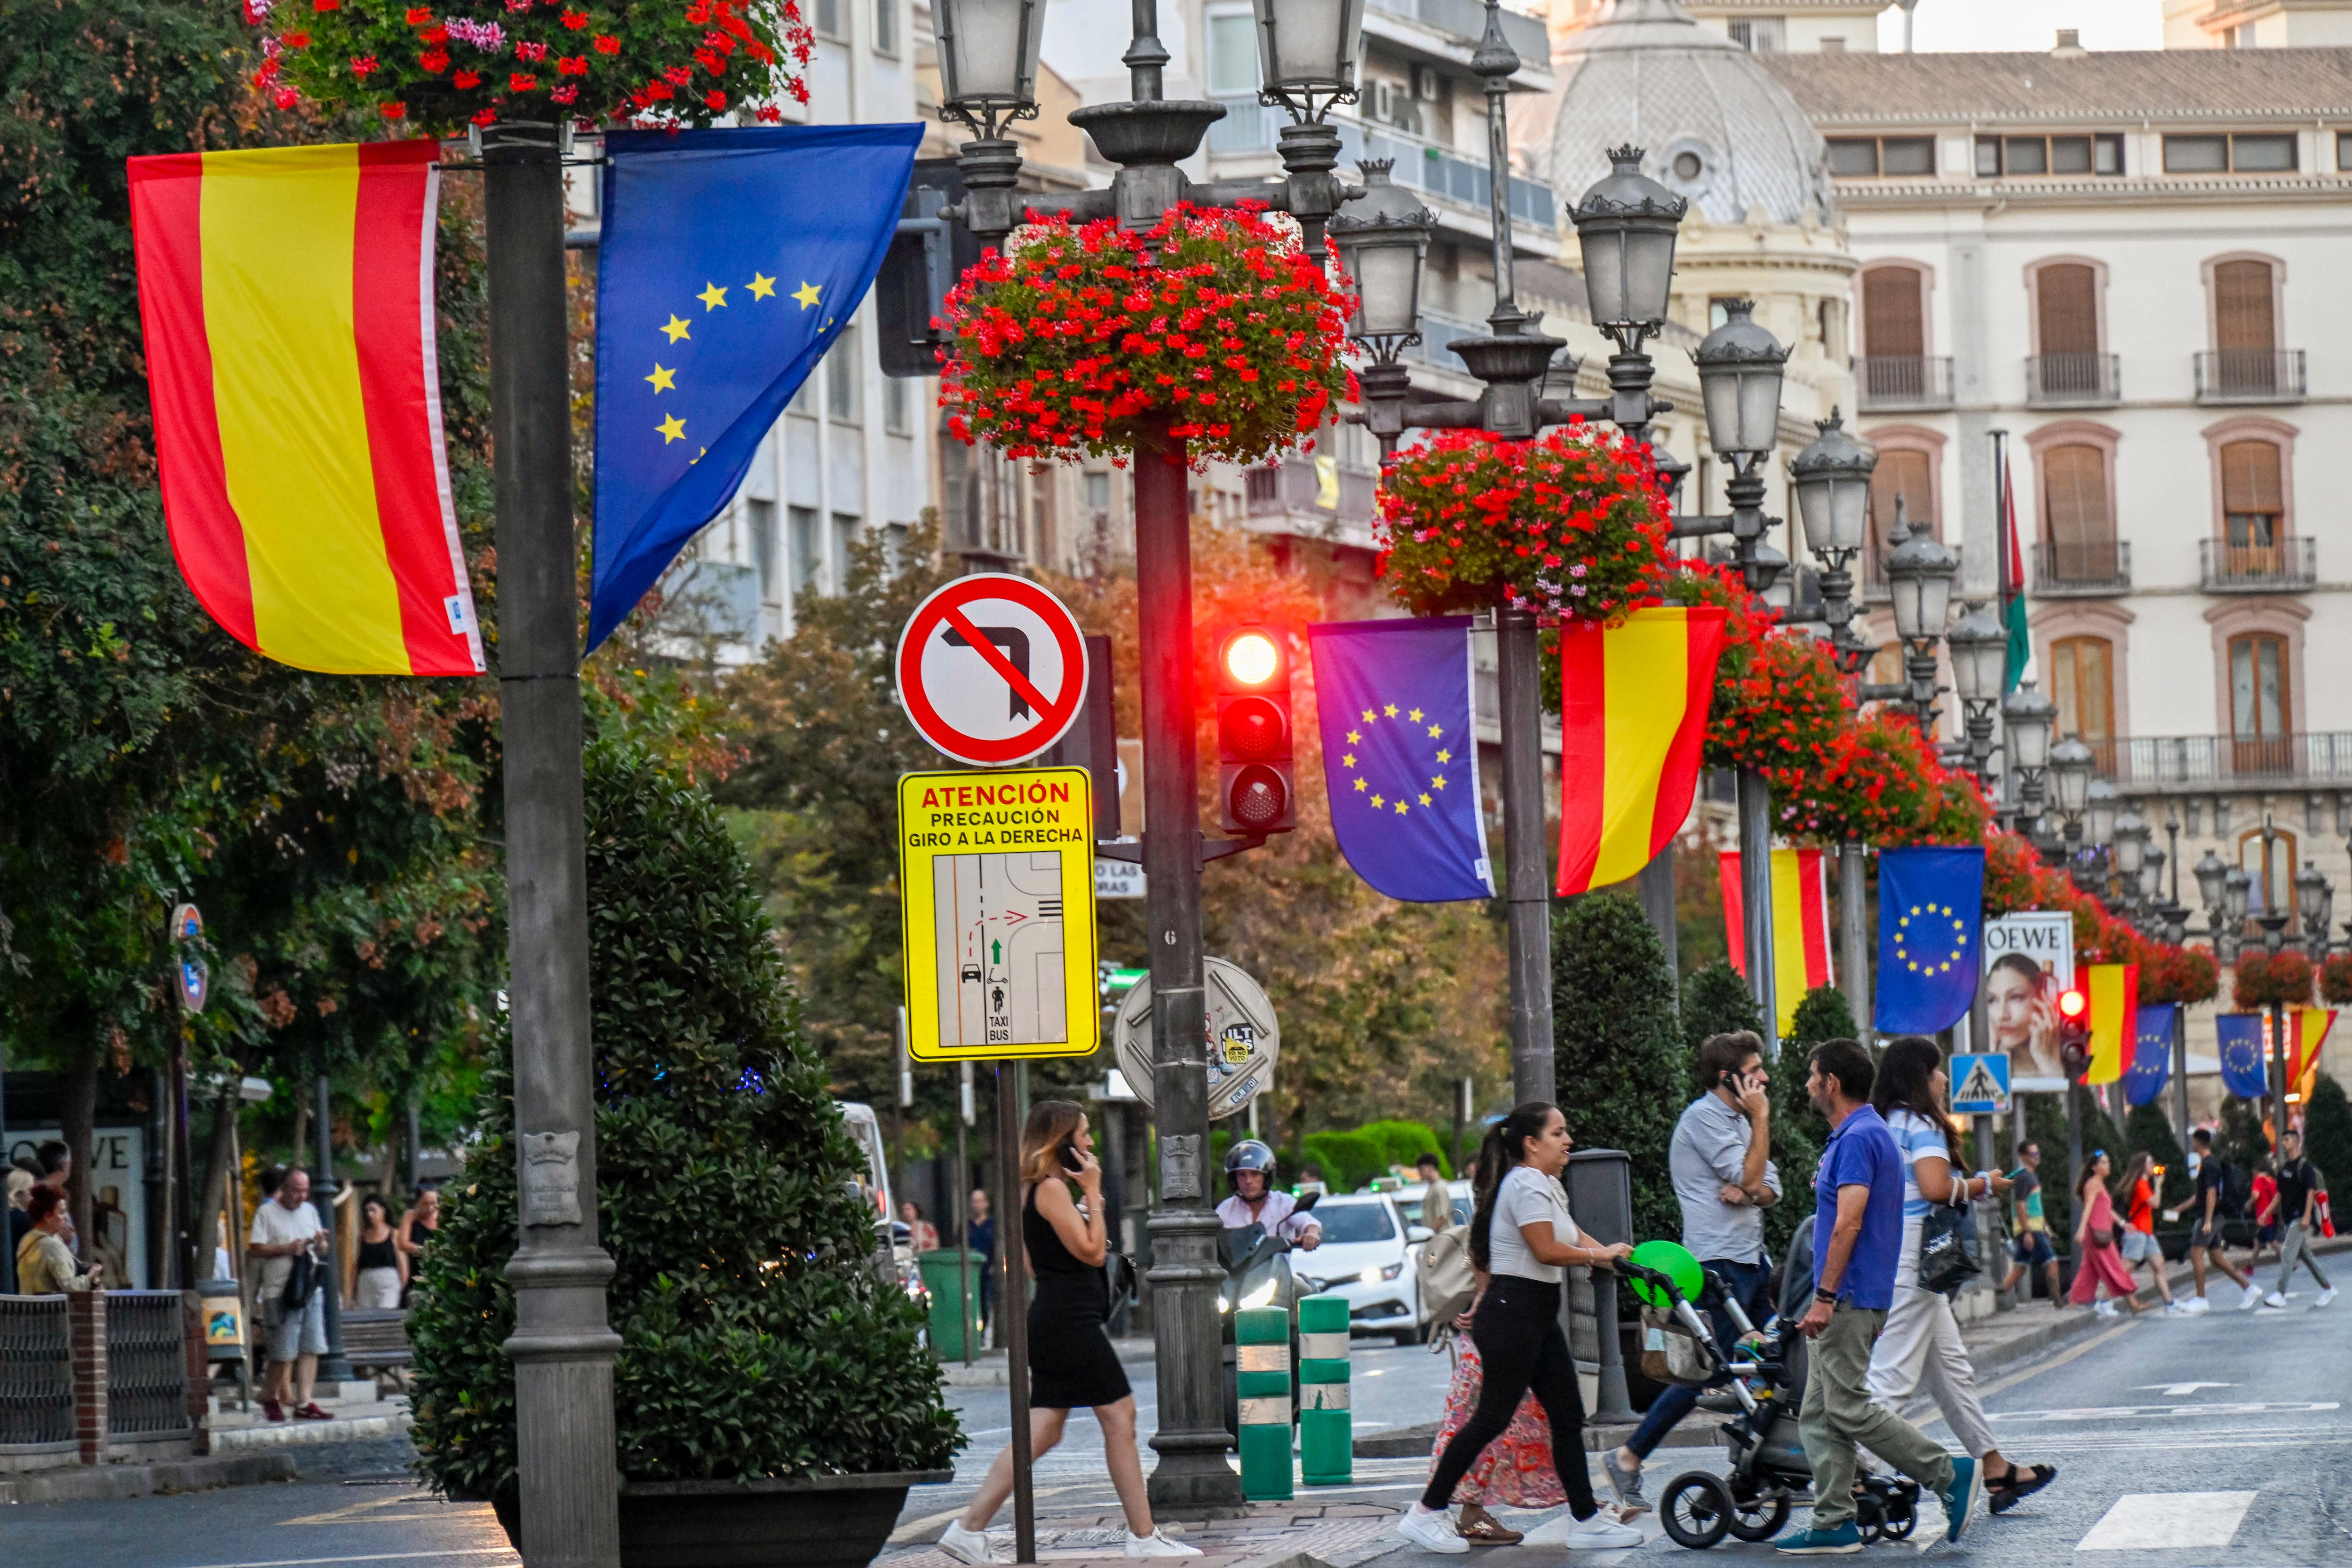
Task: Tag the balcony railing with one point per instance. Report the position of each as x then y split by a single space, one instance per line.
2286 567
1890 383
2250 375
1296 487
1467 20
2071 379
2080 567
2221 759
1446 177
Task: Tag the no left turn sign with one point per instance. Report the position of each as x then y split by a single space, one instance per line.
992 669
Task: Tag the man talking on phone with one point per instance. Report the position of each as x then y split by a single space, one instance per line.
1722 1166
1249 1170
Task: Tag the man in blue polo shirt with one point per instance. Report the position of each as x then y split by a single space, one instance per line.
1857 1239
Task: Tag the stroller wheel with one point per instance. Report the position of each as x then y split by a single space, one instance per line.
1869 1518
1756 1517
1902 1518
1695 1510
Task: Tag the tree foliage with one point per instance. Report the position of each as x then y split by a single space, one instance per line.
2327 1132
1623 1069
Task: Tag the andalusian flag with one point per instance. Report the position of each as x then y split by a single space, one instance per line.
2113 993
2012 559
288 300
1800 925
1633 702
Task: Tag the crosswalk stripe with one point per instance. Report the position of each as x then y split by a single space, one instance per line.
2140 1521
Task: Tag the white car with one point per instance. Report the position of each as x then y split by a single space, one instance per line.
1409 1201
1367 1256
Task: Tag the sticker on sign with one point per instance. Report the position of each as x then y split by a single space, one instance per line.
992 669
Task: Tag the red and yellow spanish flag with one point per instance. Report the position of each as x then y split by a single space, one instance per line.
1800 925
286 296
2112 992
2308 1031
1633 704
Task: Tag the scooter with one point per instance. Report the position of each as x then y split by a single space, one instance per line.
1769 1468
1257 1274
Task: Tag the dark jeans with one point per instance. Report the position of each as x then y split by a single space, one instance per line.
1749 1284
1521 1347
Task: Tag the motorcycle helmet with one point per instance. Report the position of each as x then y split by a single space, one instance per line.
1249 1155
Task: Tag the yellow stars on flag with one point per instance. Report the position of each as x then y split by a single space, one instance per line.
1435 730
762 286
1347 760
1444 754
1390 710
1425 798
1414 714
672 429
1361 786
677 329
663 380
713 298
1437 780
1370 715
807 294
1399 808
1355 737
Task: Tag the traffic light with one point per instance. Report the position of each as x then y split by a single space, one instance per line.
2074 1033
1255 790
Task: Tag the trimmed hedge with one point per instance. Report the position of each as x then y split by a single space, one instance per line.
1621 1068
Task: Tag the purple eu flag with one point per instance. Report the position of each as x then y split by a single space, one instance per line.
1400 755
2151 1052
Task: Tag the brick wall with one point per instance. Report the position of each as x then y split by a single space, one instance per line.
192 1313
86 1320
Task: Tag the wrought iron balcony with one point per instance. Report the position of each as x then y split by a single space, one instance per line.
1456 185
1466 19
2250 375
2289 566
2081 568
1305 488
2071 380
2208 760
1895 383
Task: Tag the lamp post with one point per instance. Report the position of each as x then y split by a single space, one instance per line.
2027 719
2127 858
1979 645
2316 902
2071 762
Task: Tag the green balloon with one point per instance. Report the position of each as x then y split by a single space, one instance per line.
1675 1261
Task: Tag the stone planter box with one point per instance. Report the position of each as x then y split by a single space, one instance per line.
807 1521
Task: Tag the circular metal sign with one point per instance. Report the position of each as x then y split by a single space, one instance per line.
1243 1039
992 669
194 977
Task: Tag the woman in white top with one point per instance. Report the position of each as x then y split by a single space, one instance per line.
1522 1242
1921 1342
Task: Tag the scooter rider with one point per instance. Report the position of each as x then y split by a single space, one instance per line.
1249 1170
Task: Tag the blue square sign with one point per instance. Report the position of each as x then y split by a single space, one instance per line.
1980 1084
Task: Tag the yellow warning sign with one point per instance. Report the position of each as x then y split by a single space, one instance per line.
997 893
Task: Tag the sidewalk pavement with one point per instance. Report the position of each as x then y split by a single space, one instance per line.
1300 1533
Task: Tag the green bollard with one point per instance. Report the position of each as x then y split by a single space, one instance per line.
1326 1447
1262 1372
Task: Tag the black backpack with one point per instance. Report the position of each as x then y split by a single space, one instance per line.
2237 1190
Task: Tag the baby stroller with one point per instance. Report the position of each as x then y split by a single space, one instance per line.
1769 1469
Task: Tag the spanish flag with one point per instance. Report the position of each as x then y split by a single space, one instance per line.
2308 1031
1800 925
1633 704
2112 990
286 296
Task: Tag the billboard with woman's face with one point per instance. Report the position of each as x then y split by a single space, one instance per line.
2029 959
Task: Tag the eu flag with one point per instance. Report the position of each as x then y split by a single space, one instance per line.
2151 1052
1930 913
2245 1065
730 260
1400 755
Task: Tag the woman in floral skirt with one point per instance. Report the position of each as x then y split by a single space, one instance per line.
1516 1470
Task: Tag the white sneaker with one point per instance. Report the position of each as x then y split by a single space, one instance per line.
2106 1309
2251 1299
1433 1530
1159 1543
969 1545
2274 1299
1600 1533
2324 1297
2178 1310
2196 1304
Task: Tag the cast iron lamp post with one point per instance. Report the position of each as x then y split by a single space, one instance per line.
2027 717
1980 647
2127 858
2071 762
2316 902
1920 572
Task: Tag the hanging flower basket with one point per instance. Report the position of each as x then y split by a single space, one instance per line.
444 66
2179 975
1090 340
2263 979
1572 524
2336 981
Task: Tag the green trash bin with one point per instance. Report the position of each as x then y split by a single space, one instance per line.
946 1282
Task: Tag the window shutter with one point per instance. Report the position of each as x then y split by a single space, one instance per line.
2250 478
1904 473
2067 296
1892 327
2074 483
2085 688
2243 306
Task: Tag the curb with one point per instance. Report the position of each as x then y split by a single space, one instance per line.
235 1439
85 1483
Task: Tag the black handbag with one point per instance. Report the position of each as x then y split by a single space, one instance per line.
300 1282
1945 1262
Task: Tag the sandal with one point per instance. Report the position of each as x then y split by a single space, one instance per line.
2022 1482
1480 1528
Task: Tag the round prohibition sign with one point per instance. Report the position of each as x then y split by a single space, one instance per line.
992 669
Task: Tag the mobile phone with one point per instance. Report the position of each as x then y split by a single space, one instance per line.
1067 1149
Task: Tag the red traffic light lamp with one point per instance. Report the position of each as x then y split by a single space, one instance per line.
2074 1033
1256 792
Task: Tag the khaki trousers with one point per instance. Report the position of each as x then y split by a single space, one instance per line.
2296 1247
1838 1413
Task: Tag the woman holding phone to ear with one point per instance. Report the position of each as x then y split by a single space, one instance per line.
1071 1361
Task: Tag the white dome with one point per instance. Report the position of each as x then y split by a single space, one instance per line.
1718 128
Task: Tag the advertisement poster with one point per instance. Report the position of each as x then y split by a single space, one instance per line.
118 1185
2029 959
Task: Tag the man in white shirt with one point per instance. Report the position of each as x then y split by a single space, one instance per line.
285 1228
1249 1165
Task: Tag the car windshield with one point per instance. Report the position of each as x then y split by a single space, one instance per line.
1355 1221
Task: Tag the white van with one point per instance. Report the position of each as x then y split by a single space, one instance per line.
865 1129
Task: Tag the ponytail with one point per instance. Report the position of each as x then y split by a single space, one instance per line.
1505 1146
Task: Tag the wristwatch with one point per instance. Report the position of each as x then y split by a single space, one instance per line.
1828 1298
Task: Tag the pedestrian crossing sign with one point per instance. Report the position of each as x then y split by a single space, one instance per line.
1980 1084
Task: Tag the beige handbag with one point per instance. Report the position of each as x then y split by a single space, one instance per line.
1671 1352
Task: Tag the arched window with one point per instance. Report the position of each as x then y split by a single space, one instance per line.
2260 702
2077 515
2081 683
1904 473
2271 862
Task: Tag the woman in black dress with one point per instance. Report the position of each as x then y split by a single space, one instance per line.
1071 1361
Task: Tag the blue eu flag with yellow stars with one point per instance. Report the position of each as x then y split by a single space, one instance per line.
729 261
1930 920
2245 1064
2151 1052
1400 756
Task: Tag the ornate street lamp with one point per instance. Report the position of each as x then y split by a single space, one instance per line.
988 62
1979 646
2101 809
2314 901
2131 848
2027 719
2071 763
1307 49
1832 479
2237 890
1920 573
1626 230
1383 238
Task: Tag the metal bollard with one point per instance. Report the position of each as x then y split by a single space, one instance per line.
1326 1447
1262 1373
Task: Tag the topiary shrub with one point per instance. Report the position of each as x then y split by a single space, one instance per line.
1349 1159
1402 1142
2241 1138
1621 1071
1715 1000
757 1338
2327 1130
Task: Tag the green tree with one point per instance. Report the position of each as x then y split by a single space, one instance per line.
2327 1130
1716 1000
1622 1070
757 1337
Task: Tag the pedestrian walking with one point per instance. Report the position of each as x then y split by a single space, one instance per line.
1436 1201
1724 1179
1921 1342
1524 1241
1857 1238
2137 1237
1071 1361
2300 1188
291 1286
2213 1203
381 1270
980 1236
1516 1470
2030 1241
415 1233
2098 1257
46 1266
922 1234
2264 1207
20 1185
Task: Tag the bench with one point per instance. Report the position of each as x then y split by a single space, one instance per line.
376 1339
